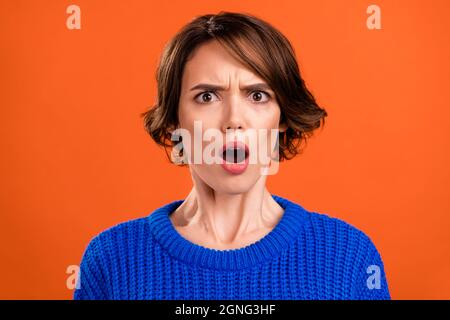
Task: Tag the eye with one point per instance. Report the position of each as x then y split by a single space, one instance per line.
259 96
205 97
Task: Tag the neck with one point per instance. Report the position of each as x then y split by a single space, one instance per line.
226 218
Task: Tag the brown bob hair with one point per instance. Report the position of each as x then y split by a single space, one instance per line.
257 45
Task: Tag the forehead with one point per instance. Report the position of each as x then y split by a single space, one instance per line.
211 62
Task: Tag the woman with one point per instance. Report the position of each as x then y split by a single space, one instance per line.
230 75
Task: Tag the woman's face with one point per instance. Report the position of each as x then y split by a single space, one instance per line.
248 113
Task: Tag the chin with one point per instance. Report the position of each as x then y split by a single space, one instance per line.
233 188
221 181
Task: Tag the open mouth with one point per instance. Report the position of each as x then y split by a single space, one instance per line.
235 152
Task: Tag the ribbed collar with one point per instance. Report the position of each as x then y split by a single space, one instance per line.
269 246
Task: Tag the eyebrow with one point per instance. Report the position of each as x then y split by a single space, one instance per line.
213 87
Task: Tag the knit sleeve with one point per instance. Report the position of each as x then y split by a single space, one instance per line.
92 274
372 281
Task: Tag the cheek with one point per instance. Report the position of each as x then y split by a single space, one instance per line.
268 118
189 112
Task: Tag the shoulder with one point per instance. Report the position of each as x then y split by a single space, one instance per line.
323 232
338 233
327 237
120 235
132 233
124 229
122 241
346 254
334 239
109 254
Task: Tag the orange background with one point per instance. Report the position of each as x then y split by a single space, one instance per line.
76 160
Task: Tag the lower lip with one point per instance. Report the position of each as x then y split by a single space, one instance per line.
235 168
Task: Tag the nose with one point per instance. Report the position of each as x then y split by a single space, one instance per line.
233 116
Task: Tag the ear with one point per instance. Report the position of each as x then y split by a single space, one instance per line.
171 128
282 127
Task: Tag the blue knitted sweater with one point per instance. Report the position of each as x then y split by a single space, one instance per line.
307 255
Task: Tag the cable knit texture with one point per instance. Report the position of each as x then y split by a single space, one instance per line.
308 255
